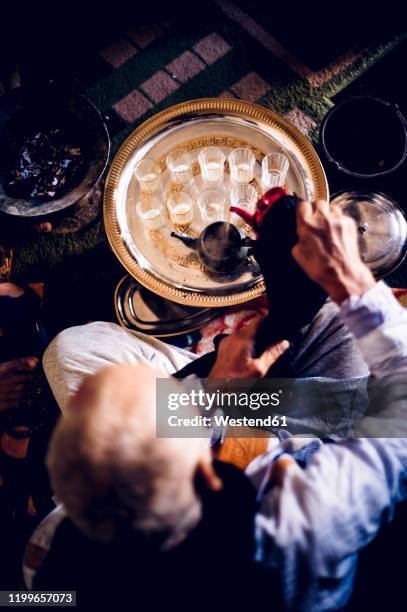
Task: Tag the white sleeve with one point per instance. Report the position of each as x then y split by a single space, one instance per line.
311 527
379 323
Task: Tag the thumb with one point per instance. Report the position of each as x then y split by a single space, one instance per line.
271 354
210 477
302 212
24 364
301 254
249 332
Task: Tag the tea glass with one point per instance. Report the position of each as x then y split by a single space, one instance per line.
181 208
212 204
245 197
179 163
212 163
241 164
274 170
150 211
147 173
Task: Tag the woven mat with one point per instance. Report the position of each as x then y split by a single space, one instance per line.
231 52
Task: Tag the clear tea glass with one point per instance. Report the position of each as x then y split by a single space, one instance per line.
274 170
212 163
244 196
181 208
179 163
212 204
241 164
150 211
147 173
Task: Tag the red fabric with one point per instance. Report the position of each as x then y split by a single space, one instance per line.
238 317
233 320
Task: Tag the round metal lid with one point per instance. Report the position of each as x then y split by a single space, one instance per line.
382 228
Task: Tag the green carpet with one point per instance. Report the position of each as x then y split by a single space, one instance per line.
228 52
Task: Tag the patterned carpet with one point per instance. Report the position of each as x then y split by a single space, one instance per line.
232 51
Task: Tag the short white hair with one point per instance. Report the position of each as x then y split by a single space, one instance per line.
112 473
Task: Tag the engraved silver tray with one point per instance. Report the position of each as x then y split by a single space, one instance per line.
138 309
163 264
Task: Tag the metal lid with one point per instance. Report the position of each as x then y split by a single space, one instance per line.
141 310
382 229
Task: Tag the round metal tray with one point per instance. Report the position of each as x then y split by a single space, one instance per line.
163 264
140 310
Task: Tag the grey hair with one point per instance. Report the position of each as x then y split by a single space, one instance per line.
130 481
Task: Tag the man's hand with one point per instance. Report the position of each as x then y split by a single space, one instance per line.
235 358
327 250
14 377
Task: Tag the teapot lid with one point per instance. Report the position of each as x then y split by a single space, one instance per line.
382 228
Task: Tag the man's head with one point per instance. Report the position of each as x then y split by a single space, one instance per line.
110 470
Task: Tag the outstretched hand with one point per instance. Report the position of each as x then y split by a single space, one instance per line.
236 355
15 377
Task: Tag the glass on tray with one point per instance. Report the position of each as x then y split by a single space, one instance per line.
181 208
147 173
241 164
212 163
245 197
150 211
212 204
274 170
179 163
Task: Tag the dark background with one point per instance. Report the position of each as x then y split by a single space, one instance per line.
42 36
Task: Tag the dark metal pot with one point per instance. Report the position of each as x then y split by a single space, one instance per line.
220 247
364 137
22 110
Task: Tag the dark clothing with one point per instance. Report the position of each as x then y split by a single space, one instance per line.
212 569
285 281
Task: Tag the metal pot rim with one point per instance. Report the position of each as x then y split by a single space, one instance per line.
344 169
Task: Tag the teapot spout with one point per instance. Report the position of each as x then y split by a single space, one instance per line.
262 207
191 243
243 214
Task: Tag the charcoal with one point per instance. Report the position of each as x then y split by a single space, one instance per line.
43 165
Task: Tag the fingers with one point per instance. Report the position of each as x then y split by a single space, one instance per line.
13 393
11 290
303 211
11 386
336 211
21 378
306 210
212 480
25 364
280 467
270 356
11 402
249 332
43 228
296 252
9 405
320 206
